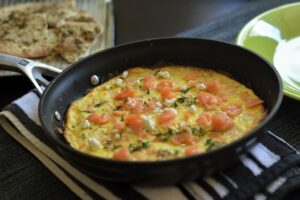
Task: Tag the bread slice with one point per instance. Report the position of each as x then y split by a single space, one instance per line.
24 35
52 29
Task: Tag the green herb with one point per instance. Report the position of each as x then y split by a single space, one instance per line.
156 72
181 99
148 91
100 104
115 147
83 136
85 111
199 132
212 144
165 136
139 146
122 118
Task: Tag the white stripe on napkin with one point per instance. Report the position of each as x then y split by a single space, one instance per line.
161 193
250 164
45 160
264 155
94 186
218 187
201 193
26 103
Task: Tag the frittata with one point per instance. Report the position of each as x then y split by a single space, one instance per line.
148 114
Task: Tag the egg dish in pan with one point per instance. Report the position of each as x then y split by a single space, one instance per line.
148 114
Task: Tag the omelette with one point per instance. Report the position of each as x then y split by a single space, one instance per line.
149 114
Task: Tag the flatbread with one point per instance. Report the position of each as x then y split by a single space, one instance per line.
68 33
24 35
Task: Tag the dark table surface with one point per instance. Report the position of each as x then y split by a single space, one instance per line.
134 20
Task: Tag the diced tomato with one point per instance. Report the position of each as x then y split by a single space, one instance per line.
82 145
148 82
165 83
166 93
192 150
98 119
119 112
207 99
204 121
135 122
213 87
221 122
187 116
244 96
122 154
190 76
118 124
166 116
192 83
183 138
151 105
125 93
233 110
253 103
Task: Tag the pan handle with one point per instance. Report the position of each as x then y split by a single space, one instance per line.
32 69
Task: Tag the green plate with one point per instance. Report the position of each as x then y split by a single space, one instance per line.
275 35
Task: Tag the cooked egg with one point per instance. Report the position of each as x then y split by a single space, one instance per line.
162 113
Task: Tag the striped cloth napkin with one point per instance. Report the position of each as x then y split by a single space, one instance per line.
267 171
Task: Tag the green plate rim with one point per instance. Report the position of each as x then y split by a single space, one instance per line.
246 27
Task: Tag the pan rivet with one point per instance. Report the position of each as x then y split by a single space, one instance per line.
94 80
57 116
60 130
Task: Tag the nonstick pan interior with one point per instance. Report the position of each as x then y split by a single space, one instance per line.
74 82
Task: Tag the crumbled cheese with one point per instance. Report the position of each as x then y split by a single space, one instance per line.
158 104
182 124
94 143
172 109
150 123
201 86
137 82
158 110
107 87
183 87
170 102
117 136
164 74
125 74
118 82
193 108
86 124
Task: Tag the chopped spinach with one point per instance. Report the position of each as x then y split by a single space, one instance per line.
100 104
199 132
165 136
139 146
211 144
184 91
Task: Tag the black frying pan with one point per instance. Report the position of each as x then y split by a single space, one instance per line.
245 66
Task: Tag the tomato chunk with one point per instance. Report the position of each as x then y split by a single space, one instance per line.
183 138
135 122
165 83
118 124
125 93
166 116
204 121
221 122
213 87
148 82
122 154
166 93
192 150
233 110
253 103
98 119
207 99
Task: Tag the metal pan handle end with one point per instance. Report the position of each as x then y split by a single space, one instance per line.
32 69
